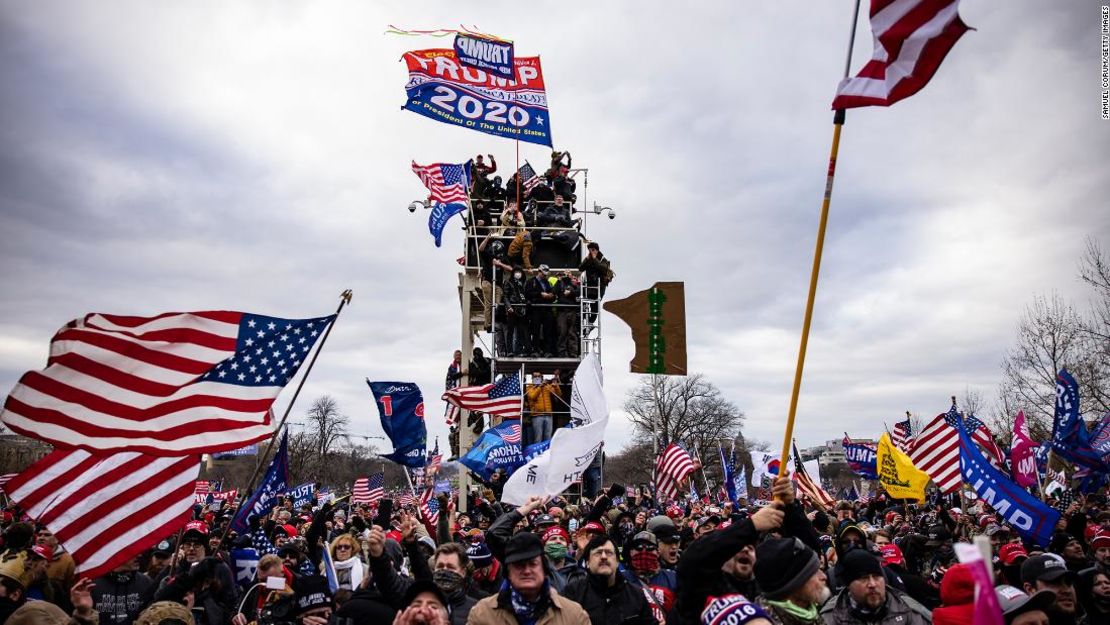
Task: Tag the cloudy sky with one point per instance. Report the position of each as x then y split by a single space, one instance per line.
253 156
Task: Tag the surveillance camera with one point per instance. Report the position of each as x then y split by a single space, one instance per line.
612 215
414 205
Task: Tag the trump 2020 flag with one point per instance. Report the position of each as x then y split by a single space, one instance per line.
1069 432
497 448
1023 451
448 190
862 459
493 55
1028 515
401 406
303 495
175 384
273 485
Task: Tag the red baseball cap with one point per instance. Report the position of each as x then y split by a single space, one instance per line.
892 554
196 528
555 530
593 527
1101 539
1010 552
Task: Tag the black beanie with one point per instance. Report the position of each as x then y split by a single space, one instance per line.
821 522
783 565
859 563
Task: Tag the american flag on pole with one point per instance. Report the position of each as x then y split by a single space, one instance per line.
903 432
405 499
511 434
501 398
912 37
175 384
429 507
936 450
107 509
672 466
369 490
810 489
528 178
446 183
982 437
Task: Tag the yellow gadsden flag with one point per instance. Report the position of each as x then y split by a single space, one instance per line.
897 474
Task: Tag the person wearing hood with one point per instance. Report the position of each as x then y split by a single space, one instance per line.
957 596
120 596
792 582
644 570
605 593
866 598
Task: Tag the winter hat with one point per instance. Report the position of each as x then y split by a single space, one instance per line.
162 610
555 530
1059 541
479 554
957 594
821 521
312 592
730 610
783 565
523 546
38 613
858 563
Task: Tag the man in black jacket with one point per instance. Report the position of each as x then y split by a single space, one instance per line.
603 592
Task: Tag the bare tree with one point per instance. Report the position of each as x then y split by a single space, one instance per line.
1094 375
325 429
1049 338
687 409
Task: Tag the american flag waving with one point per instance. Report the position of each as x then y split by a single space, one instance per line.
672 467
446 183
936 450
175 384
502 398
528 178
985 440
902 434
369 490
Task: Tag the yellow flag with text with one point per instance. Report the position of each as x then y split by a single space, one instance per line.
897 474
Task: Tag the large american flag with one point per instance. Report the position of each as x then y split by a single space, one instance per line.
810 489
175 384
446 183
369 490
902 434
985 440
672 466
501 398
936 450
4 479
107 509
912 37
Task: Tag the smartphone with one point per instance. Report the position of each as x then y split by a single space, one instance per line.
616 490
385 512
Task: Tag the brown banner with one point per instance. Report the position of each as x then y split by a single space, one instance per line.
657 317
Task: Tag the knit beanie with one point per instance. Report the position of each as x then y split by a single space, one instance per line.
783 565
478 553
859 563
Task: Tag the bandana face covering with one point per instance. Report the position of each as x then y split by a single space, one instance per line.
645 561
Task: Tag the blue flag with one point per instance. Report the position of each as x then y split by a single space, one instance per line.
244 561
1028 515
729 469
268 492
401 407
497 448
492 55
303 494
1069 431
862 459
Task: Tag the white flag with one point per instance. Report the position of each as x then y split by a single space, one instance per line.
572 448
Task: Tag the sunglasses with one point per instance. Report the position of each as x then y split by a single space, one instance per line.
343 548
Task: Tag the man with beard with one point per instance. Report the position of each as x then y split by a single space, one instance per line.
740 572
867 599
120 595
791 580
1071 549
1049 572
450 575
604 593
1100 547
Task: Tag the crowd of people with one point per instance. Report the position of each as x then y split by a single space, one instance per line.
619 558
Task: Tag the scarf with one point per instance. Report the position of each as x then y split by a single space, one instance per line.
865 613
802 614
528 612
353 571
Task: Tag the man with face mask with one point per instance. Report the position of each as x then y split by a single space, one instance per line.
643 569
791 581
515 302
451 573
119 596
604 593
556 544
868 599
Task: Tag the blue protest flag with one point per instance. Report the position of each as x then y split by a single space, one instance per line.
729 469
493 55
862 459
1028 515
329 570
244 561
401 407
1069 431
268 492
303 495
497 448
439 216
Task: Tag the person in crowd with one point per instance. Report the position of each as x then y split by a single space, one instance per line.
541 397
515 302
208 581
119 596
512 222
46 613
62 568
424 603
455 374
487 576
159 558
556 546
520 249
740 572
1049 572
314 603
669 541
479 371
1070 548
526 596
957 595
39 586
605 594
596 274
541 315
259 597
491 264
791 585
643 569
1019 608
1100 549
866 598
451 575
567 316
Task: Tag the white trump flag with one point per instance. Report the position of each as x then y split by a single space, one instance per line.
572 448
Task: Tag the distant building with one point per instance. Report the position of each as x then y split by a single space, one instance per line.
19 452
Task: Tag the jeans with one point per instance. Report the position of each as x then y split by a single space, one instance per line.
541 428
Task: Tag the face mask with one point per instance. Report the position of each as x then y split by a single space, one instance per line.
555 551
645 560
448 581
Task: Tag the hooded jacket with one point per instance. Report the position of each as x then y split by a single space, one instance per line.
120 597
957 596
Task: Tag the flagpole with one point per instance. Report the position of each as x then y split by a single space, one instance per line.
838 123
344 299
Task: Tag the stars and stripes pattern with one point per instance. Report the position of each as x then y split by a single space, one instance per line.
174 384
5 478
107 509
807 487
902 435
502 398
405 499
672 467
323 496
429 507
912 37
451 416
511 434
528 178
446 183
982 437
936 450
369 490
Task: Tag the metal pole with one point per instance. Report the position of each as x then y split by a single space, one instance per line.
838 123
